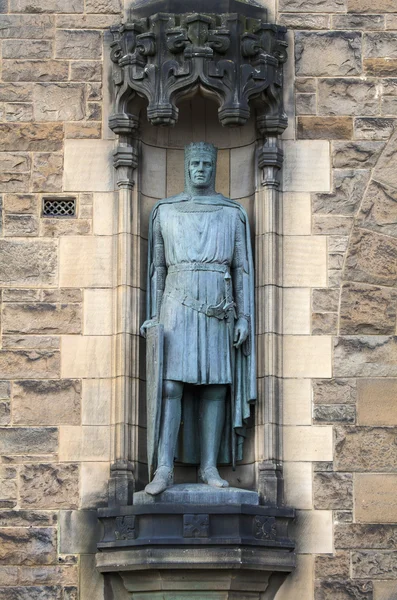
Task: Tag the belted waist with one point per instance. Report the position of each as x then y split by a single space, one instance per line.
198 266
220 311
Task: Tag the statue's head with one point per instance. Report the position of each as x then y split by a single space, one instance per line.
200 167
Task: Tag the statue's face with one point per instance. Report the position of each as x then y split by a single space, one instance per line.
200 170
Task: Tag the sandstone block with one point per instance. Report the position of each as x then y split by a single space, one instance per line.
91 21
104 209
298 485
302 444
31 342
332 225
304 21
8 575
19 112
375 500
384 590
365 356
86 262
79 130
96 401
59 102
94 484
79 531
40 592
360 22
21 225
327 53
380 45
47 6
98 315
28 440
343 590
366 6
334 413
325 300
378 209
367 309
333 490
391 23
300 584
347 97
296 213
47 172
47 402
324 324
376 402
373 128
389 106
15 92
384 171
360 154
313 531
371 259
35 70
356 535
32 546
327 128
86 356
5 389
78 44
8 494
305 261
61 575
298 172
62 227
15 162
30 137
380 67
28 518
371 564
103 6
15 295
28 263
49 486
322 6
306 85
296 311
332 567
306 104
5 412
14 182
32 48
27 27
89 166
365 449
91 581
30 364
86 71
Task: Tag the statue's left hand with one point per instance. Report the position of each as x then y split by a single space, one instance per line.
241 331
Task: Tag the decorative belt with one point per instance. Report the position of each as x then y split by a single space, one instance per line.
219 311
198 266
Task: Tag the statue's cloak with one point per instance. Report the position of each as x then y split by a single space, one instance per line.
242 391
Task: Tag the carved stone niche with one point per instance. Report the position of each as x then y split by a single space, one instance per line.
191 542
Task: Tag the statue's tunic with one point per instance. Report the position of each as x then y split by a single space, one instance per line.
199 256
203 249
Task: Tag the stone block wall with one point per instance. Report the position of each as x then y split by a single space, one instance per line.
339 275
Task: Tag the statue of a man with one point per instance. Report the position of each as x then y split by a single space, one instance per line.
201 289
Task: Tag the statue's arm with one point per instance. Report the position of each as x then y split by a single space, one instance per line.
240 278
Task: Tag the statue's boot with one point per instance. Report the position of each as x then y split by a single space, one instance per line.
211 428
211 476
163 478
170 422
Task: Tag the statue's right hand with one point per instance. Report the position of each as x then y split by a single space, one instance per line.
146 325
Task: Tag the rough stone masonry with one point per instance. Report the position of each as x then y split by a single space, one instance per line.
340 278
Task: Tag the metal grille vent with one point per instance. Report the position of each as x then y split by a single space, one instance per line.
59 207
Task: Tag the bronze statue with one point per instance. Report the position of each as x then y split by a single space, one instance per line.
201 296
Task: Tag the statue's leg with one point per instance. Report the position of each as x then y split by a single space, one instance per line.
212 420
170 422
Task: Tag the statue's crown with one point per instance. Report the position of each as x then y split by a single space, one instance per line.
197 148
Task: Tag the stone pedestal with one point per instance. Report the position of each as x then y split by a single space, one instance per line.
194 541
